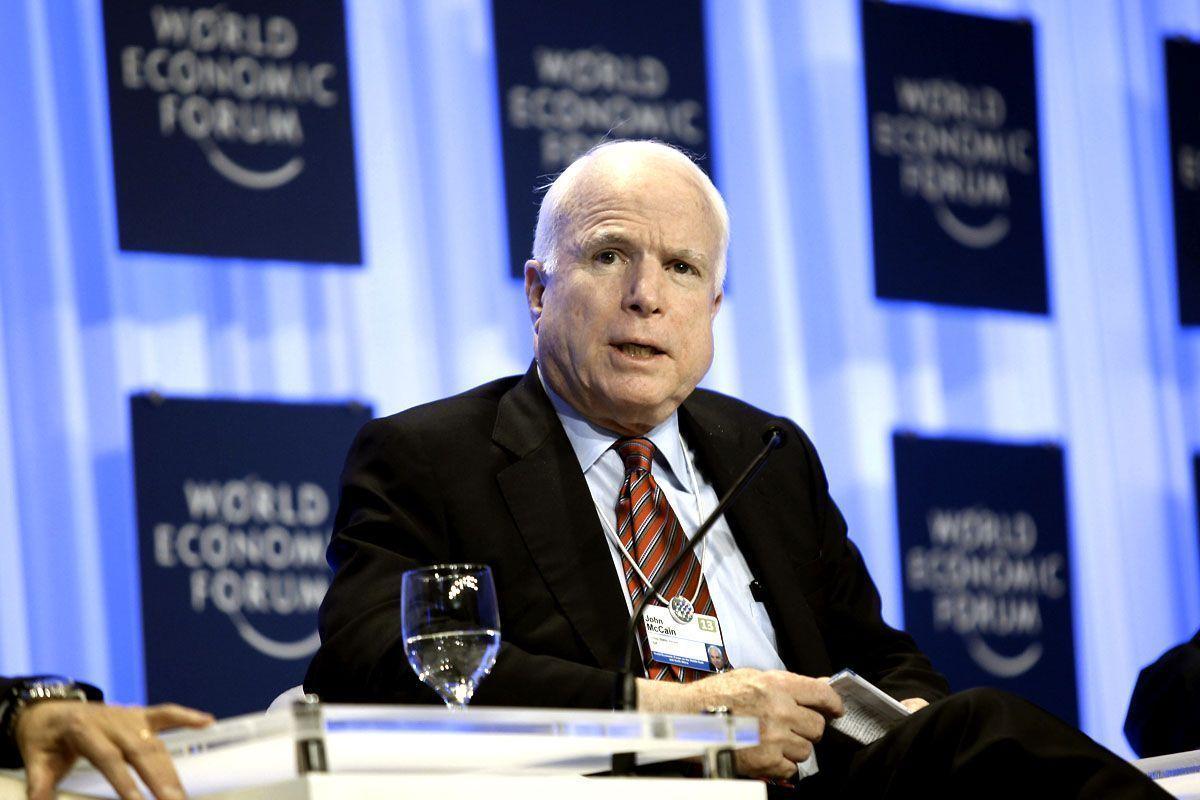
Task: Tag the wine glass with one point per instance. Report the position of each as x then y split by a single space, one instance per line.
451 628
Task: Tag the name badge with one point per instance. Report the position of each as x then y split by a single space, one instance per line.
696 643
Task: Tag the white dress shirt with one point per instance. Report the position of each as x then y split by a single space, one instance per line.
747 630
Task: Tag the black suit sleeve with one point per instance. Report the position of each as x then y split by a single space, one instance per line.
850 613
9 757
390 519
1164 712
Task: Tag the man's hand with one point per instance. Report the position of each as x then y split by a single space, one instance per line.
791 709
52 734
914 704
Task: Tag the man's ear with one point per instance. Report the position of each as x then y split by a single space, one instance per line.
716 304
535 287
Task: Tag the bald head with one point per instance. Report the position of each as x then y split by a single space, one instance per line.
620 162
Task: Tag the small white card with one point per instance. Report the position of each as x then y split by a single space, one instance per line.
696 644
869 712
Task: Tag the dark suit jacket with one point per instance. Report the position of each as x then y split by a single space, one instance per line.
1164 712
490 476
9 757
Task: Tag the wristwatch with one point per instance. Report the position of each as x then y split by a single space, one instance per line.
32 691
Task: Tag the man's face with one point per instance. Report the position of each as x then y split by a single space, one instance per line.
716 657
623 328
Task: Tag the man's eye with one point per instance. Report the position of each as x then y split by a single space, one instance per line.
683 268
608 257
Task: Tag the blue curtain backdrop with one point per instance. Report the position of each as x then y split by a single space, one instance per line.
1110 375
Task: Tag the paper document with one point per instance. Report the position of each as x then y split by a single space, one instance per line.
869 712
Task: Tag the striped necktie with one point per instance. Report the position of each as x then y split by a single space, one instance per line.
652 535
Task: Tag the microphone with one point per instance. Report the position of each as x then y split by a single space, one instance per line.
775 433
774 436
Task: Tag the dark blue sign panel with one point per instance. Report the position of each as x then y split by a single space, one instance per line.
955 173
231 128
235 509
987 589
1183 89
1196 471
571 75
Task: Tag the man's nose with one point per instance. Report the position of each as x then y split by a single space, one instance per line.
644 289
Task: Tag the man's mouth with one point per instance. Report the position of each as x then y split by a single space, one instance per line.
638 350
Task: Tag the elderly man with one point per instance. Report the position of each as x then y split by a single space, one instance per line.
579 479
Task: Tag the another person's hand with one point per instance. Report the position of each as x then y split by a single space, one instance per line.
791 710
52 734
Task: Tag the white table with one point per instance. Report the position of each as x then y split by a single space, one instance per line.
1178 773
396 751
463 787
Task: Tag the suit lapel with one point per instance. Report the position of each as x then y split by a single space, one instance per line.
552 507
764 526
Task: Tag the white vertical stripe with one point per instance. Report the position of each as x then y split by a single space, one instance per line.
81 526
14 643
770 176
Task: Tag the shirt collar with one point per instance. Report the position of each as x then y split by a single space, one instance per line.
590 441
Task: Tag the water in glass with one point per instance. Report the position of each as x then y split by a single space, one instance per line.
451 628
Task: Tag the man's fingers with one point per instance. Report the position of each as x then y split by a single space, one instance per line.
809 724
793 742
794 737
792 711
797 749
113 738
819 696
796 720
43 771
149 757
39 781
762 762
107 758
170 715
814 693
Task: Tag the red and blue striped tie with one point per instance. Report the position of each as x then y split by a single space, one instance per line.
652 535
